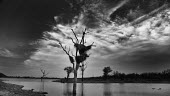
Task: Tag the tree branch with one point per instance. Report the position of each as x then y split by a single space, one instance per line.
64 49
82 40
72 40
75 35
93 45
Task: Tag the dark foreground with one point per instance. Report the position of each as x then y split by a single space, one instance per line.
16 90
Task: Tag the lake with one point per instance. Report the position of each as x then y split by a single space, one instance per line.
91 89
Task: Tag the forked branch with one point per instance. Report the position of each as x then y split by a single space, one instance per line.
68 53
82 39
44 73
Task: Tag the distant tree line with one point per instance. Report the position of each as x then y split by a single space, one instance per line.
150 76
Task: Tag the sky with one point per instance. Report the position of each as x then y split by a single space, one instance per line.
28 28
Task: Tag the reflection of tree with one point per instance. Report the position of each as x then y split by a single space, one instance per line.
67 90
82 89
122 89
42 85
107 89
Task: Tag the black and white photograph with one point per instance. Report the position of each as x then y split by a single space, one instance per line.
84 48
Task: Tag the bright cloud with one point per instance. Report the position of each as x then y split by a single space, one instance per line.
112 41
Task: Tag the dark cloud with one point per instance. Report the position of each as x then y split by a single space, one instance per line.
1 1
149 57
28 19
9 61
13 58
23 22
22 25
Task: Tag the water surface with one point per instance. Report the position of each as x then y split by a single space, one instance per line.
91 89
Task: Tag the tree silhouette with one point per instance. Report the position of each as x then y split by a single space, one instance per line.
43 74
80 54
106 71
83 68
68 70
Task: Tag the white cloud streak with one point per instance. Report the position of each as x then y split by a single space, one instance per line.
106 37
155 30
6 53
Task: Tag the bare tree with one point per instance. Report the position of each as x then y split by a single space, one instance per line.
80 54
83 68
68 70
43 74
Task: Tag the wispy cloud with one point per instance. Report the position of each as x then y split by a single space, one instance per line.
118 46
112 38
7 53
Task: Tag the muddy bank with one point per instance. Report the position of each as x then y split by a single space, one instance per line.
16 90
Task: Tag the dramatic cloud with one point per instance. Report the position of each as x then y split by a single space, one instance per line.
142 46
28 44
21 27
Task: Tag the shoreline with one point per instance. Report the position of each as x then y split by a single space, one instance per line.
7 89
110 81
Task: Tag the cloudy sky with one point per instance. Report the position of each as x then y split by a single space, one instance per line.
28 28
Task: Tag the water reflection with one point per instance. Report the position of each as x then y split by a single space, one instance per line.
42 85
82 89
67 91
92 89
107 89
122 89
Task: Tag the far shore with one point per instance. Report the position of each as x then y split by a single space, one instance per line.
93 80
97 80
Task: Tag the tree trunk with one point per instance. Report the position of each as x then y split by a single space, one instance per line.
67 76
41 79
82 78
75 82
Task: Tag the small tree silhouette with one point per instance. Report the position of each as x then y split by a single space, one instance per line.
83 68
106 72
43 74
68 70
80 54
42 77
